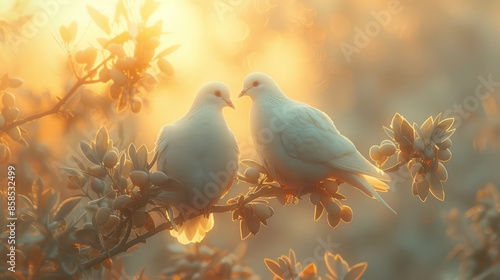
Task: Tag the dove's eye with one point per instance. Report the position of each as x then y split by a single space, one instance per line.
255 84
217 93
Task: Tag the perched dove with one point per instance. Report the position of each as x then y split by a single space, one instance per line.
300 146
201 153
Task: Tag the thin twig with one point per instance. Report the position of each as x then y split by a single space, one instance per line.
64 100
395 167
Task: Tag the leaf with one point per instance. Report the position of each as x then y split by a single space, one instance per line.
318 211
142 158
165 67
120 39
49 200
73 29
99 19
436 187
88 237
148 8
103 42
334 265
167 51
244 230
66 207
280 194
284 264
65 34
426 128
389 132
396 121
253 224
132 153
78 162
408 132
150 32
309 272
88 152
356 271
120 10
274 267
422 189
101 143
26 201
442 137
333 219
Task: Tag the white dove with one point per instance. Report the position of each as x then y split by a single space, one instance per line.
201 153
300 146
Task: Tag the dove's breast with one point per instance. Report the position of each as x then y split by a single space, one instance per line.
201 157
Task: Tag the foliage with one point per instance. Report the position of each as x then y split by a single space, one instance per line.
287 268
423 149
477 236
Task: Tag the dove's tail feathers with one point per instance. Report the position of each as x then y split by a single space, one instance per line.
193 230
377 184
368 185
356 163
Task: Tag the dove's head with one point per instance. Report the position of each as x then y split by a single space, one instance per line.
256 85
214 94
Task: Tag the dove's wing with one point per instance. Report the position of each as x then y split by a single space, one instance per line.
162 143
234 142
311 136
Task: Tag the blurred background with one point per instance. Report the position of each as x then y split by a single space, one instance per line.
358 61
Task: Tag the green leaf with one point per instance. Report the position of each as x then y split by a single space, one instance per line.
99 19
66 207
142 158
132 153
101 143
88 152
52 200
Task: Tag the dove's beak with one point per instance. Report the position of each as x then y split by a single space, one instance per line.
230 104
243 92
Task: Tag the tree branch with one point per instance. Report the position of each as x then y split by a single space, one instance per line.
64 100
123 247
